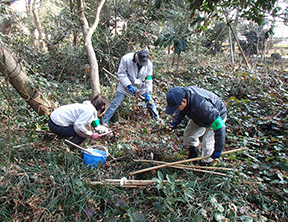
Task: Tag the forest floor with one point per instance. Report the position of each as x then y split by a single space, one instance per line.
41 180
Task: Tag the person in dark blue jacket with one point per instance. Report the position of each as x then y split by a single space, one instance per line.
207 115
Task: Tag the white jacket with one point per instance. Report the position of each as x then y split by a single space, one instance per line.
127 73
79 115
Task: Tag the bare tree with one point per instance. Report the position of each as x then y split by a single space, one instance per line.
88 32
38 25
72 19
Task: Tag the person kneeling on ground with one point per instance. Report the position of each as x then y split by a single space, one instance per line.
207 115
71 120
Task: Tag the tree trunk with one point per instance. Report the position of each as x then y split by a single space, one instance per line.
6 26
88 32
28 7
21 82
38 25
74 33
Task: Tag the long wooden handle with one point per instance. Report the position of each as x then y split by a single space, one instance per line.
183 161
79 147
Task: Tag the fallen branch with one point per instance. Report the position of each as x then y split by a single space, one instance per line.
183 161
189 166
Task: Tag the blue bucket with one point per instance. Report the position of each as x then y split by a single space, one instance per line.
96 160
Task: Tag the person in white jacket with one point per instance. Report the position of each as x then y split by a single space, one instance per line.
71 120
135 76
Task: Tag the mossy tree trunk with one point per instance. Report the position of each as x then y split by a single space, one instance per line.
12 70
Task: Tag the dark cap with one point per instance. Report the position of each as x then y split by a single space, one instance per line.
143 56
174 97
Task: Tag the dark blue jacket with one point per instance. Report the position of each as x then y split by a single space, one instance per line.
203 107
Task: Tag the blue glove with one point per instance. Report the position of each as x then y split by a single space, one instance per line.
216 154
131 88
173 125
147 97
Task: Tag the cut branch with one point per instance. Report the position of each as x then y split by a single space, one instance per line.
184 161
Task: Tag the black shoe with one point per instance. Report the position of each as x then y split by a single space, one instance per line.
193 152
207 164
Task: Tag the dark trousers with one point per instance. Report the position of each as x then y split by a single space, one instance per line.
65 131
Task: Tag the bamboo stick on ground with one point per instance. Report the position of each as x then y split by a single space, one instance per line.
125 183
184 161
199 170
189 166
79 147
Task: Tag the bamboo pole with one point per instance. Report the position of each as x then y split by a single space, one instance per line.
184 161
125 183
199 170
79 147
188 166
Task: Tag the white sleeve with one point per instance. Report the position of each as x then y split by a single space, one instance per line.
84 118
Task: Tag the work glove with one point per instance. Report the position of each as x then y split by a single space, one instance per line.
102 129
131 88
95 136
147 97
216 154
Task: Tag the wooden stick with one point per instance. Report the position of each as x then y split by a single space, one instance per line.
79 147
199 170
188 166
126 183
103 134
183 161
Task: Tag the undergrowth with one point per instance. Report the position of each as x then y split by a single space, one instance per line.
43 181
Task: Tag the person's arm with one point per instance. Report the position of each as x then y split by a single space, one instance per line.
80 124
149 79
177 119
123 72
211 115
219 134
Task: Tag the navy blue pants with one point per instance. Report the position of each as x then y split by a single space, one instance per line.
65 131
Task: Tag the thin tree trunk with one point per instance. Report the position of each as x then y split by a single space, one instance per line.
22 83
88 32
72 19
28 7
38 25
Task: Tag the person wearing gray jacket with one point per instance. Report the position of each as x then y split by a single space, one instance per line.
207 115
135 76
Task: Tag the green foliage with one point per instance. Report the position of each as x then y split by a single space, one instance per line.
41 181
255 39
214 37
46 181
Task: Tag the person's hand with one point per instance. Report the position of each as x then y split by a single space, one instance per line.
216 154
131 88
147 97
95 136
102 129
